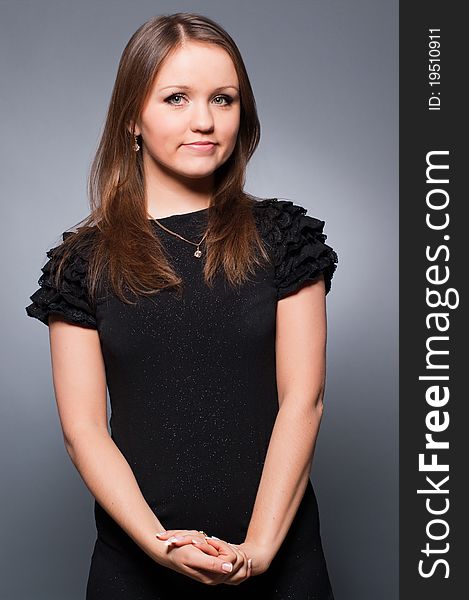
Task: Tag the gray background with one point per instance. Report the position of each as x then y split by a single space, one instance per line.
325 76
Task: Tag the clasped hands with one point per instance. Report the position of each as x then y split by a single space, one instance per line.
211 560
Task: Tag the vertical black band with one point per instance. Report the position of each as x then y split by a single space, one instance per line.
434 238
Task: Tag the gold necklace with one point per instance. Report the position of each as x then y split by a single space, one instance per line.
198 252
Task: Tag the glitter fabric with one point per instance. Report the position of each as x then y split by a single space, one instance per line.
192 386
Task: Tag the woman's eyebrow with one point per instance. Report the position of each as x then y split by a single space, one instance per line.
188 87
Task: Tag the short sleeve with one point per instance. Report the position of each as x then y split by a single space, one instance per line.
300 253
70 298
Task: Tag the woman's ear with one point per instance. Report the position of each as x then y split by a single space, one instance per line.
130 126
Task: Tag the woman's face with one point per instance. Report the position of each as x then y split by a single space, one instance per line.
194 98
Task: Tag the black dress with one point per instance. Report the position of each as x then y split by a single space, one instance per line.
192 386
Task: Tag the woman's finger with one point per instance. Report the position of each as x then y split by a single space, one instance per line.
177 538
174 535
214 565
163 535
220 544
234 554
242 568
204 546
200 543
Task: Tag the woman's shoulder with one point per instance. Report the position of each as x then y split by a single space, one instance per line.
282 219
65 291
297 242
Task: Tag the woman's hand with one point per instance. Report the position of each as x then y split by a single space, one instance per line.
259 557
230 556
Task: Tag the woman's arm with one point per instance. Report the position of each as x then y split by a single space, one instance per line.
80 390
301 368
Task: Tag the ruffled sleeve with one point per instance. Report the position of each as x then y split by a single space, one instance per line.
300 253
70 299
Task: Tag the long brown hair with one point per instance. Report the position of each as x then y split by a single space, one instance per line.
126 246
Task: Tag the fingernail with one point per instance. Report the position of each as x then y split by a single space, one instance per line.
172 540
227 566
196 542
250 562
160 534
214 537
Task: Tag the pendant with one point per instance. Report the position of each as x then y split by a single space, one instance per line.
197 253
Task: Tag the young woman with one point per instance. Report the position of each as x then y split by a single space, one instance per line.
202 310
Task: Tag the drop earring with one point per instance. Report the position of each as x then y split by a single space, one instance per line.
136 146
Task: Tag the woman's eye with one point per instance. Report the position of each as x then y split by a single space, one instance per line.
228 99
169 100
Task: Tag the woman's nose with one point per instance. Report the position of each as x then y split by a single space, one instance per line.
201 116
